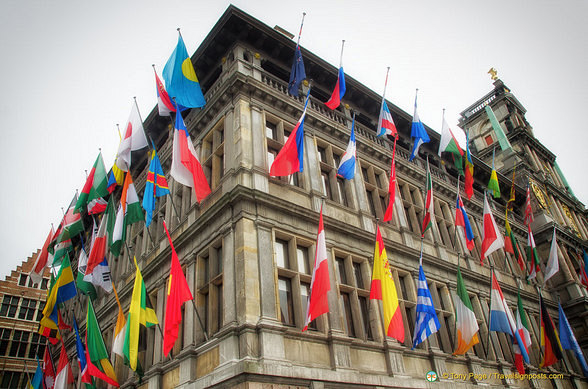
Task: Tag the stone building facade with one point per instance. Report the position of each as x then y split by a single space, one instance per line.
21 308
247 250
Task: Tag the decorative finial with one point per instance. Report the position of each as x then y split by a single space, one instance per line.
493 74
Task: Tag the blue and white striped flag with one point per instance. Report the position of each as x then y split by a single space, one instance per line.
426 317
418 132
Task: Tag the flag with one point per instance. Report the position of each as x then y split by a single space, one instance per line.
491 238
63 289
511 245
43 257
81 352
426 321
37 381
180 78
134 139
465 320
338 91
528 210
64 373
501 319
297 74
320 285
155 186
532 255
347 165
186 167
462 220
98 248
115 177
48 370
164 103
386 124
584 270
290 159
418 132
97 356
139 314
383 288
568 340
100 274
429 208
94 190
84 286
449 144
129 212
118 339
469 170
511 200
178 292
391 186
493 186
52 334
71 224
550 344
522 328
553 261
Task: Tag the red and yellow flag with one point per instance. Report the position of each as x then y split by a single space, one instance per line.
383 288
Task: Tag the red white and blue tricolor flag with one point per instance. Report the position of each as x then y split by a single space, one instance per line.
417 131
501 319
291 158
461 220
347 164
386 124
155 186
338 92
186 167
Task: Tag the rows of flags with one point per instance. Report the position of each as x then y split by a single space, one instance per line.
182 91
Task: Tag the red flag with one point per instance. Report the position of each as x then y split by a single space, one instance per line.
42 259
391 186
492 238
178 292
48 370
528 209
319 285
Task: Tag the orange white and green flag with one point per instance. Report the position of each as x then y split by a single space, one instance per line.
383 288
465 320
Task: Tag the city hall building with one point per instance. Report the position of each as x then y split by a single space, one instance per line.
248 249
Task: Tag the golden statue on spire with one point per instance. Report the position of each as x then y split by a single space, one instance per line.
493 74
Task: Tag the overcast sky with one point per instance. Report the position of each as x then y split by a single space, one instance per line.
70 70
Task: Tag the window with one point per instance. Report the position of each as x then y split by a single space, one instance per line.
22 281
19 344
406 291
209 284
11 379
354 276
27 309
291 257
4 340
276 137
44 283
9 306
213 154
335 188
376 187
445 222
37 346
412 201
444 309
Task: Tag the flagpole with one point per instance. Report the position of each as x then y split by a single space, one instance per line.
299 33
341 58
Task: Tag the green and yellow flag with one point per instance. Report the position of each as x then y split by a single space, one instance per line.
139 314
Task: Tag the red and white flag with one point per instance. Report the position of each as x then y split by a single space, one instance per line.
391 187
134 139
186 167
64 373
48 370
42 259
528 209
164 103
98 250
491 237
429 207
318 302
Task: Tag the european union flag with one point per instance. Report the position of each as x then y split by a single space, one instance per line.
180 78
297 74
